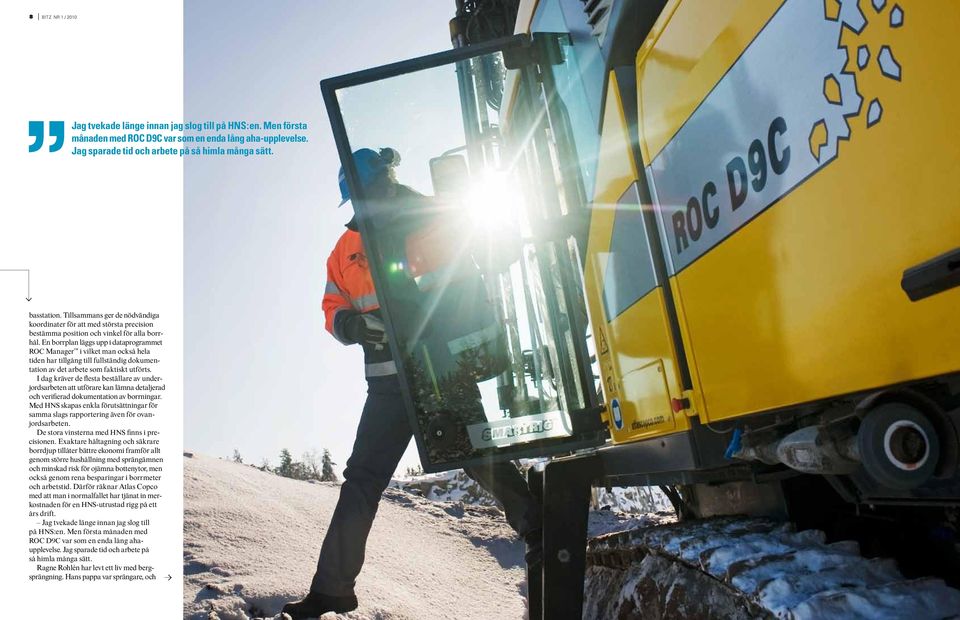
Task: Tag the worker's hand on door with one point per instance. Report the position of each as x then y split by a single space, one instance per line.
366 328
374 330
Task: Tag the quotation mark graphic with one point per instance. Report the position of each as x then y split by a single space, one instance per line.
35 131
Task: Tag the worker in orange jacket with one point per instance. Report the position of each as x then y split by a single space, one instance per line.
352 316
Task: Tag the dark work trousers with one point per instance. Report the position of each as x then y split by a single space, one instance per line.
382 438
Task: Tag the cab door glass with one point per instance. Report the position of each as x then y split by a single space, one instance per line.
469 294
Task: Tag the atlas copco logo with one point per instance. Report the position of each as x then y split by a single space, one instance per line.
854 57
773 120
617 414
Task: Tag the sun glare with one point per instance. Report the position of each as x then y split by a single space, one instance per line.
494 201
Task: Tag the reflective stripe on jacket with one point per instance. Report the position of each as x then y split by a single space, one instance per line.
349 290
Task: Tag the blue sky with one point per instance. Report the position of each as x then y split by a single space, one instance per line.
261 374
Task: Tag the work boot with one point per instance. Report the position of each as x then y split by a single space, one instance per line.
316 604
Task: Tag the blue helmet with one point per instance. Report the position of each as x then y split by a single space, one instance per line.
370 164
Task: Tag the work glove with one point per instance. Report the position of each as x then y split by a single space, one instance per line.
366 328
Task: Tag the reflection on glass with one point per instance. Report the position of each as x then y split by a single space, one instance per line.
467 289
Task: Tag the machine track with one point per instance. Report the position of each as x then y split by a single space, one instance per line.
734 567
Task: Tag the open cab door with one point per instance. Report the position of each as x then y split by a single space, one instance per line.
477 274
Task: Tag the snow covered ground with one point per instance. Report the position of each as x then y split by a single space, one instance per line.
438 549
447 486
251 541
456 486
632 500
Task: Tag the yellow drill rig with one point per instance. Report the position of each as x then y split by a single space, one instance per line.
706 245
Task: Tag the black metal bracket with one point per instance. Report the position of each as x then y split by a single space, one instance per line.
588 420
566 504
933 276
535 575
540 48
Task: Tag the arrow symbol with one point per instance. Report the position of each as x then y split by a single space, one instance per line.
27 271
169 577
